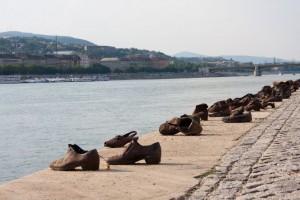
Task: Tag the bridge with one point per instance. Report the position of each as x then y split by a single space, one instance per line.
257 69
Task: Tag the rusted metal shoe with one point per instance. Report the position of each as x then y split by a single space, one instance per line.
169 127
266 104
254 104
77 157
121 140
189 126
201 111
245 117
136 152
237 111
218 106
221 113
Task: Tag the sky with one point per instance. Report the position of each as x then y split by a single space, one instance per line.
267 28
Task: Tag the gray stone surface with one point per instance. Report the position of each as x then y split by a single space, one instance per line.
264 164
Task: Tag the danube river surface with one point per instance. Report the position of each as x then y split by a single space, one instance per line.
37 121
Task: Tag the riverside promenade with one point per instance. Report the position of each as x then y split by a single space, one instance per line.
251 160
265 163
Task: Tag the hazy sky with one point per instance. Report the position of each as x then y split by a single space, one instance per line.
210 27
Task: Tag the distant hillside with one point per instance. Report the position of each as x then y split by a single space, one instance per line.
39 46
253 59
187 54
61 39
238 58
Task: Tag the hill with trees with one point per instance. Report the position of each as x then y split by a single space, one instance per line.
27 43
61 39
34 44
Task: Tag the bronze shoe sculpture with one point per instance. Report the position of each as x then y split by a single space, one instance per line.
218 106
266 104
136 152
245 117
77 157
169 127
237 111
189 126
201 111
221 113
254 104
121 140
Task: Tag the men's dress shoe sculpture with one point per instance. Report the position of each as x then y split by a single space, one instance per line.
266 104
241 118
219 109
136 152
237 111
121 140
254 104
77 157
189 126
221 113
218 106
169 127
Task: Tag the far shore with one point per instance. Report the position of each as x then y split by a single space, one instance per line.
9 79
185 160
53 78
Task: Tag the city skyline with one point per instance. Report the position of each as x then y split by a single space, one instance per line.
255 28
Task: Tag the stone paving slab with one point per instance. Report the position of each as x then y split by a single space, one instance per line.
264 164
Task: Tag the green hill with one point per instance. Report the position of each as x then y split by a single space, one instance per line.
61 39
28 43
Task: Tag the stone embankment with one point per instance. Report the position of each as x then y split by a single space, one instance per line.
264 164
132 76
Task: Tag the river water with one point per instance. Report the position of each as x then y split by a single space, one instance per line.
37 121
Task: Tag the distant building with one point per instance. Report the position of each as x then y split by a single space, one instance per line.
69 61
204 70
84 61
51 60
225 63
64 52
135 61
9 59
103 49
29 59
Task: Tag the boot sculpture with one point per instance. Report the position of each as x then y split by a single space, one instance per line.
77 157
121 140
201 111
136 152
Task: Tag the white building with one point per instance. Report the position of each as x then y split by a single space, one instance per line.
84 61
204 70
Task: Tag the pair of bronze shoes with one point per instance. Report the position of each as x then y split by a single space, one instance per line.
134 152
77 157
89 160
187 124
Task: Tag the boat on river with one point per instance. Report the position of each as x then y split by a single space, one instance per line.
6 79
